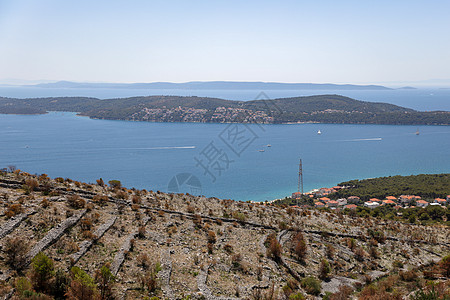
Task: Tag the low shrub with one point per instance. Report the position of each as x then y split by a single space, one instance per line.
16 250
101 200
299 245
273 247
13 210
324 269
409 276
76 202
211 237
311 285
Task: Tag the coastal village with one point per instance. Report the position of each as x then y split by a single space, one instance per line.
321 200
189 114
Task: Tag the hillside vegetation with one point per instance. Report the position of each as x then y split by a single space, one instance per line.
66 239
428 186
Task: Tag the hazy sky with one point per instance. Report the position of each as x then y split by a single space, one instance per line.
289 41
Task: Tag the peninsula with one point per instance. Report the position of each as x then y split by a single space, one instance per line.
314 109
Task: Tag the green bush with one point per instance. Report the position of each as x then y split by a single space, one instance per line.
324 269
298 296
82 285
115 184
23 285
426 295
42 272
445 266
60 284
311 285
105 280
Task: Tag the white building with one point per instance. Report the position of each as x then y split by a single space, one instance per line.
342 201
371 204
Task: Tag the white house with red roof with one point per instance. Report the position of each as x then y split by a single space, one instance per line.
371 205
351 206
332 203
422 203
389 202
440 201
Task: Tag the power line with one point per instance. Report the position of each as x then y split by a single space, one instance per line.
300 179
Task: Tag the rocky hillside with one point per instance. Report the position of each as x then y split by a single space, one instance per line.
65 239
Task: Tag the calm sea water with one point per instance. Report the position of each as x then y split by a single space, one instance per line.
419 99
149 155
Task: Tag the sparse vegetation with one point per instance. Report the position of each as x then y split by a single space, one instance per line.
275 245
299 245
16 249
311 285
75 201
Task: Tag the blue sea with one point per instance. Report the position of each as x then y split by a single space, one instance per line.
222 160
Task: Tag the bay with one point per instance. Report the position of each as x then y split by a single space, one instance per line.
150 155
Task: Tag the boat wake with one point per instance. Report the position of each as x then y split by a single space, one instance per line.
160 148
359 140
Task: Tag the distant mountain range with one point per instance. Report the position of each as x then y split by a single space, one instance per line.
319 109
212 85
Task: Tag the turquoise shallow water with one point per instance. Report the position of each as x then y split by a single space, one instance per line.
149 155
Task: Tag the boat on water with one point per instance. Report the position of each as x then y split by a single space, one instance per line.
319 132
261 150
417 132
269 145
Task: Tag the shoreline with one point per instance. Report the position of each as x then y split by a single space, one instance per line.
194 122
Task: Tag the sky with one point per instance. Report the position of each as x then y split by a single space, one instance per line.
178 41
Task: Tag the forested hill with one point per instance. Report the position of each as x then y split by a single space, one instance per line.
428 186
321 108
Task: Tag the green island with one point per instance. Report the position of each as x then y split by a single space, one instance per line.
309 109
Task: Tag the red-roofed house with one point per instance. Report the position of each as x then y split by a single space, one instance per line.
407 198
422 203
374 200
319 204
388 202
351 206
440 201
332 203
391 198
324 191
296 195
353 199
324 199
